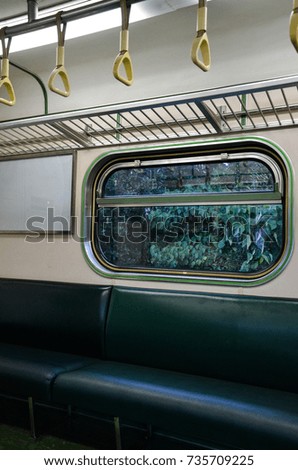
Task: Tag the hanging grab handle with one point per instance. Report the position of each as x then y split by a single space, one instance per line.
60 53
123 57
294 25
201 42
5 80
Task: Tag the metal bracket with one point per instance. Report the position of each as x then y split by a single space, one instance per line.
215 120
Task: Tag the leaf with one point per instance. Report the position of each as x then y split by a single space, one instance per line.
244 267
272 224
221 244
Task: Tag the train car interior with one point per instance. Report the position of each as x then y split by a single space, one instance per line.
148 220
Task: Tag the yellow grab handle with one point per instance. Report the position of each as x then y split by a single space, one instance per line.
201 43
294 25
6 83
61 71
123 58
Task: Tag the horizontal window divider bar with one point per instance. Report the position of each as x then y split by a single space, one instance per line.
189 200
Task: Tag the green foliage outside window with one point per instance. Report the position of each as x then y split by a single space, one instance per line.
228 238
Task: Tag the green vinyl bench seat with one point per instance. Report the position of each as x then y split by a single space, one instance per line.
217 369
212 411
30 372
45 329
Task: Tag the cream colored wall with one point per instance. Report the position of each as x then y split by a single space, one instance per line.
63 260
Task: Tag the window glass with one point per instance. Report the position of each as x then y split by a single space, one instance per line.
223 216
237 176
225 238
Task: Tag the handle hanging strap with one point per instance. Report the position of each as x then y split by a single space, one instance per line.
201 43
124 57
294 25
60 69
5 80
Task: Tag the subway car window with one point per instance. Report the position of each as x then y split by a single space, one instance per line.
221 215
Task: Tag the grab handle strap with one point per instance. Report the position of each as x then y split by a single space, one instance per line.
5 80
123 58
60 54
294 25
201 43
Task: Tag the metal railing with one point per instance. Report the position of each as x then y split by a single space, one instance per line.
263 105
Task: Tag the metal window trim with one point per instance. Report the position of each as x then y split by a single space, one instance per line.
164 201
233 279
222 157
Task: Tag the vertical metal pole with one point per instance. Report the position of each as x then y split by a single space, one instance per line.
117 433
31 416
118 126
149 431
243 111
69 415
32 10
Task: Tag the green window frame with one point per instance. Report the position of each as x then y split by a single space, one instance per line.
198 213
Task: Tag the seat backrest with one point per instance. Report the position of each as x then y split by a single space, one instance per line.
247 339
56 316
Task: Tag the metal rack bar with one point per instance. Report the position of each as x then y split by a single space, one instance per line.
93 134
180 116
149 129
201 96
272 105
179 110
210 117
287 105
243 107
220 114
154 124
232 111
259 109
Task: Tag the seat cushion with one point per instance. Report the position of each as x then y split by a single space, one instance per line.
30 372
220 412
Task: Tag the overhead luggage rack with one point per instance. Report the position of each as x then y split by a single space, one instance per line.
245 108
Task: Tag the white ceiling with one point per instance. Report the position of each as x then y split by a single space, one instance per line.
10 8
14 14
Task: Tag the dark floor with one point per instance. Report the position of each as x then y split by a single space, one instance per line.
15 438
